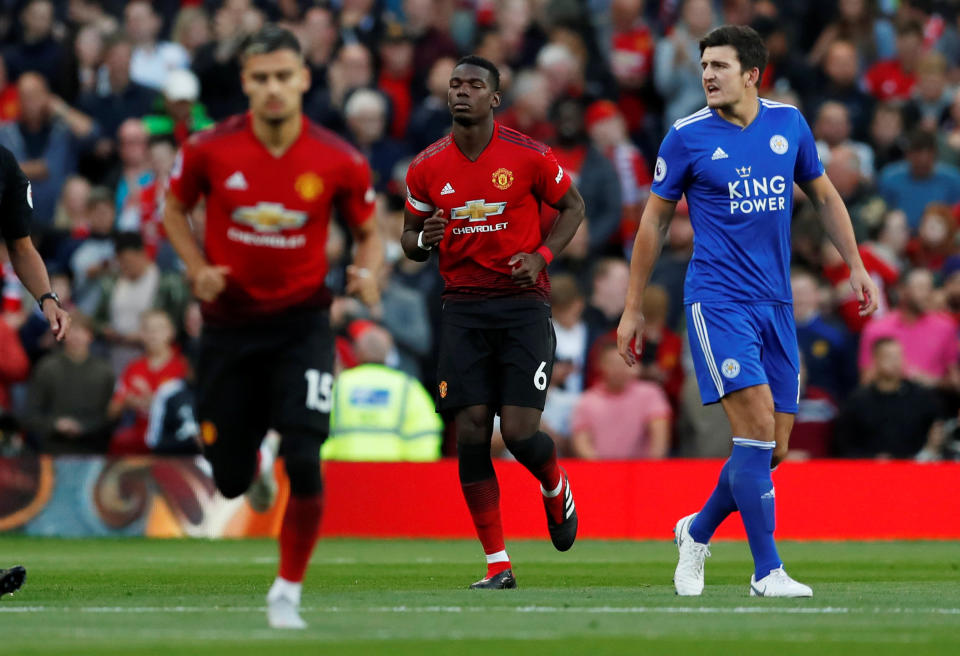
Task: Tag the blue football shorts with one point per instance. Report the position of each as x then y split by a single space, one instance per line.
738 345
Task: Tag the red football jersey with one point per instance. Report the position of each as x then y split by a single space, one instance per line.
139 379
266 216
493 207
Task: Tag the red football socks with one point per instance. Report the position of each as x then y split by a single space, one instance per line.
298 535
483 500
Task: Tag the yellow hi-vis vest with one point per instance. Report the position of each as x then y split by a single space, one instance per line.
381 414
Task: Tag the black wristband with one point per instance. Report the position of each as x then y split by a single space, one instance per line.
50 295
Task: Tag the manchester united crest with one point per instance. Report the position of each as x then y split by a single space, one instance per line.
443 389
309 185
502 179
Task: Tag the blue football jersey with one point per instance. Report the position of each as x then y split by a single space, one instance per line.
739 186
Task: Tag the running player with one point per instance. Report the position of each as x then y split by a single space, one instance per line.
475 196
271 180
737 160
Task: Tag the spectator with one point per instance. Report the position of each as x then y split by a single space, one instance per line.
320 40
948 139
912 184
360 22
827 349
841 83
14 363
887 135
593 173
92 256
37 49
191 29
217 63
608 133
832 130
430 120
9 98
152 59
431 36
928 338
366 116
47 141
891 416
124 297
670 271
837 274
894 79
786 68
620 417
116 97
81 70
864 204
662 349
379 413
931 96
562 69
529 100
893 235
66 409
857 23
182 113
815 421
134 173
141 379
152 198
352 69
631 59
676 61
610 278
934 241
396 76
568 305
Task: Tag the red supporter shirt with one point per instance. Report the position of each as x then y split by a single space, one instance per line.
139 379
494 209
886 80
266 216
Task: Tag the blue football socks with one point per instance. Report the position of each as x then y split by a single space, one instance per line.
718 506
752 489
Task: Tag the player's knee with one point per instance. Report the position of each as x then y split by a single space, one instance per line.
515 431
473 426
779 453
760 426
301 458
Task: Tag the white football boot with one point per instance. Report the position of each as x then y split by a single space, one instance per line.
778 584
283 606
688 577
263 491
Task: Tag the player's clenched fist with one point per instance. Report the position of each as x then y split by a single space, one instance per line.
433 229
526 268
209 281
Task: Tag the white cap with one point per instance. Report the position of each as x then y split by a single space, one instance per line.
181 84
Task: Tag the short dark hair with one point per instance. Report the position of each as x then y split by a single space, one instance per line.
127 241
751 50
881 342
908 27
921 139
477 60
270 38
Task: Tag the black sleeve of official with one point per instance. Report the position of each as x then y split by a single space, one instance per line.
16 206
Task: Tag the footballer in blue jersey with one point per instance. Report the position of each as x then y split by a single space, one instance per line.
737 161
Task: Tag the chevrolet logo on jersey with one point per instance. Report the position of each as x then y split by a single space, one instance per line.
269 217
477 210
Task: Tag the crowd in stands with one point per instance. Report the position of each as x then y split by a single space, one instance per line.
97 95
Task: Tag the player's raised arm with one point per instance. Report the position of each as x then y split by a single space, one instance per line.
646 249
836 221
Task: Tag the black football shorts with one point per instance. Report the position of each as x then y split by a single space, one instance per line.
492 364
276 373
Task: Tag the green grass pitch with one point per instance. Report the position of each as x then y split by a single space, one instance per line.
403 597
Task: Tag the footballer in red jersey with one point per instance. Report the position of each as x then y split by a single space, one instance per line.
271 180
475 197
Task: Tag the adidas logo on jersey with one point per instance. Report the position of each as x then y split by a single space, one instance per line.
719 154
236 181
447 189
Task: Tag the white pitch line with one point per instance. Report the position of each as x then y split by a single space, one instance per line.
582 610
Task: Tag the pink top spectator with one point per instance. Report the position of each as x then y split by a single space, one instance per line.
618 422
929 343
